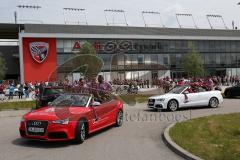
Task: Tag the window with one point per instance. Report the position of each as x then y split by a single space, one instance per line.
228 46
207 58
222 59
160 59
218 58
106 60
173 59
212 58
154 59
178 59
134 59
212 45
228 58
128 59
147 59
166 59
233 46
59 44
233 58
140 59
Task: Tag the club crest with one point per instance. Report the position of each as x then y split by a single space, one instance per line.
39 51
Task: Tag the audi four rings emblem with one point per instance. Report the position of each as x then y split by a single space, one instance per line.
36 123
113 46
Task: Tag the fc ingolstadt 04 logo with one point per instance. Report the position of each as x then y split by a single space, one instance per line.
39 51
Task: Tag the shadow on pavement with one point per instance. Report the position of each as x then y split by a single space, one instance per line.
40 144
180 109
57 144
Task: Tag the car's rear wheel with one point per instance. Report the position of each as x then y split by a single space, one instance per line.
119 119
172 105
80 134
213 102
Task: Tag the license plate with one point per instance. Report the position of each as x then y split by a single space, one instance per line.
36 130
150 103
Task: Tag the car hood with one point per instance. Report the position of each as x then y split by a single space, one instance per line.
54 113
168 95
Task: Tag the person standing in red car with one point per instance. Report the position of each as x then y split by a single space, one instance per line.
181 82
105 89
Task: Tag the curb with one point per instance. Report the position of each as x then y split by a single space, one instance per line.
176 148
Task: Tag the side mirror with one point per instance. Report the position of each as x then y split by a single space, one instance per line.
94 104
49 103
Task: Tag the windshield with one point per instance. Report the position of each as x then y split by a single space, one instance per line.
71 100
177 89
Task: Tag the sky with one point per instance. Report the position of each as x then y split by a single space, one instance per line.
52 12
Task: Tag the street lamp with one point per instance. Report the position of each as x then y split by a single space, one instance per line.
153 13
80 10
33 7
215 16
28 6
120 11
185 15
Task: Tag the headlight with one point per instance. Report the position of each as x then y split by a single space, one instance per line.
61 121
161 99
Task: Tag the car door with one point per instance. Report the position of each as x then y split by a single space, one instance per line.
104 114
99 112
193 99
111 106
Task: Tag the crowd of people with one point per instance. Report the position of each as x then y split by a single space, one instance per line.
167 83
10 89
100 88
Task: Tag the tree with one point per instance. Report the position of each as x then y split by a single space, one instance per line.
86 61
87 48
193 63
3 67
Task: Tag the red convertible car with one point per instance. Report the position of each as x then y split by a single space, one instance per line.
71 117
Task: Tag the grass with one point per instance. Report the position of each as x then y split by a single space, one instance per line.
211 138
129 99
18 105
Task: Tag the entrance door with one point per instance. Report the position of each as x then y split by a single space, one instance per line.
154 75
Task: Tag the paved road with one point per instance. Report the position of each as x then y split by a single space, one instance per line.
138 139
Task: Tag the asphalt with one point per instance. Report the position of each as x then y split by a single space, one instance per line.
138 139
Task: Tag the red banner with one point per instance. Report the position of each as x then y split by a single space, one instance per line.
39 59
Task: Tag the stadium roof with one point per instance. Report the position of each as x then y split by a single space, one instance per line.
84 29
10 31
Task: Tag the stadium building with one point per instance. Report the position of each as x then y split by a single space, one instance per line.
127 52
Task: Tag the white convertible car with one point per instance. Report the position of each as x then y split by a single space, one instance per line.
180 97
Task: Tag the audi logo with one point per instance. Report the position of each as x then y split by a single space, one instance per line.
122 46
35 123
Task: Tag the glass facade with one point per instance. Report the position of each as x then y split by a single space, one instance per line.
219 56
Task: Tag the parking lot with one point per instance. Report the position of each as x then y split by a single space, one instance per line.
139 138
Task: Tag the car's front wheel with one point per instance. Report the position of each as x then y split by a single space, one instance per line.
213 102
172 105
119 119
80 134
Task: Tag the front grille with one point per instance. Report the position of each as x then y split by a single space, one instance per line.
36 128
151 102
